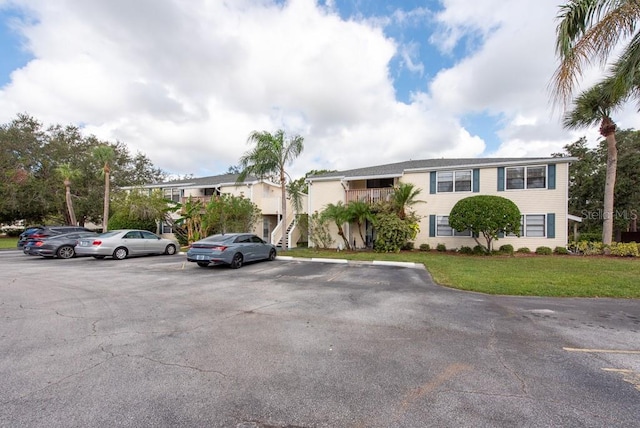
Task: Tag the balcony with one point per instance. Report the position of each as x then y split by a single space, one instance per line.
370 196
203 199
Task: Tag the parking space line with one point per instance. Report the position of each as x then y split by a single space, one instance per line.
603 351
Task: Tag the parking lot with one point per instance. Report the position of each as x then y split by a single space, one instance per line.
157 341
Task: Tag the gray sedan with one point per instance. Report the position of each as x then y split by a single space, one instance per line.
121 244
232 249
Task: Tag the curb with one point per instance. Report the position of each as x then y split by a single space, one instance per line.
411 265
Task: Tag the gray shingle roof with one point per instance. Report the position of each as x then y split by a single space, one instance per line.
214 180
397 169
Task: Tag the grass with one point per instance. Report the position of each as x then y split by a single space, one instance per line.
520 275
6 242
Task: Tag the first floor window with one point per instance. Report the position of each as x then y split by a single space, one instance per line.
443 228
534 225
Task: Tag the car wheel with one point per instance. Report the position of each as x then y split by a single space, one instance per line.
120 253
98 257
203 264
170 250
236 262
272 255
65 252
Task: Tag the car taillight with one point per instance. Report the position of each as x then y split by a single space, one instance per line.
96 242
39 244
37 235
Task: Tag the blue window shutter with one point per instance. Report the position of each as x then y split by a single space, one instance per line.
551 180
432 225
476 180
432 183
551 225
501 179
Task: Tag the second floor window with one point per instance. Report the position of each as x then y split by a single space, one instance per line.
526 177
454 181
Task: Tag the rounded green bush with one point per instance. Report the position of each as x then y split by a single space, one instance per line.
523 250
506 249
465 250
544 251
560 250
424 247
441 247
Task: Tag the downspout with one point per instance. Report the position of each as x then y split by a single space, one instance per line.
348 228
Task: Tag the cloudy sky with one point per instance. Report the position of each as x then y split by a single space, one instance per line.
365 82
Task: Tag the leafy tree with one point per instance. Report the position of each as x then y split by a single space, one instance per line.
234 169
359 212
339 214
68 173
138 209
392 232
319 231
485 215
404 196
229 213
105 155
191 219
270 156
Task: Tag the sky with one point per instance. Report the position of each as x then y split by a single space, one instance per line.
364 82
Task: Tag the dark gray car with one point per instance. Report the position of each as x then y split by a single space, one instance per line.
233 249
60 246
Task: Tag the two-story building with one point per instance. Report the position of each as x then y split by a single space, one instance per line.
538 186
265 194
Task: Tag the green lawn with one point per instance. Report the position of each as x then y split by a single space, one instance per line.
522 275
8 242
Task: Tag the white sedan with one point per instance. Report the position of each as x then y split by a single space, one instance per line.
121 244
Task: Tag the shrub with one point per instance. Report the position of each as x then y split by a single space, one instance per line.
392 233
441 247
588 248
407 246
465 250
621 249
13 233
479 250
122 220
560 250
523 250
506 249
425 247
544 251
591 236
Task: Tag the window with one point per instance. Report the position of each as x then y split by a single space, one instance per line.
443 228
172 194
526 177
532 226
378 183
454 181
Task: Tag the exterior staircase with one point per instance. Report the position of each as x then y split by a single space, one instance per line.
291 226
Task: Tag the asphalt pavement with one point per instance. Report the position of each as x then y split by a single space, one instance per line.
158 341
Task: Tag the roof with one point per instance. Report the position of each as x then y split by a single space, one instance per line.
400 168
211 181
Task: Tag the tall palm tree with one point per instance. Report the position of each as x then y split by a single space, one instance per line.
339 214
105 155
588 32
359 212
404 195
68 173
591 107
271 154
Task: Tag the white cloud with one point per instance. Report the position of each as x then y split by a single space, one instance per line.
186 82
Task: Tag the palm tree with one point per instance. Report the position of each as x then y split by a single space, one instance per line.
68 173
591 107
404 195
271 154
105 155
359 212
588 31
339 214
